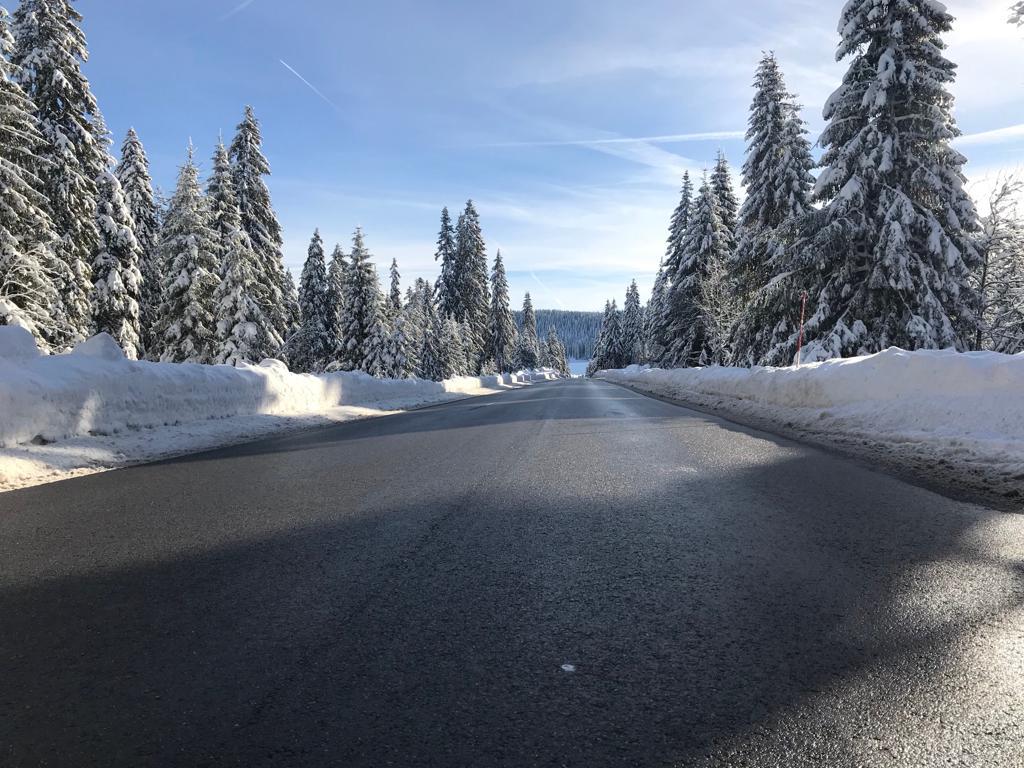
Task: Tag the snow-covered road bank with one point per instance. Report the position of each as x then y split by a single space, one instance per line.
953 418
92 409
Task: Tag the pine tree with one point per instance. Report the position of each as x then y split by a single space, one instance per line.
186 323
431 354
336 273
395 295
243 332
1000 275
293 315
528 348
49 50
312 347
777 176
453 349
632 328
117 282
502 326
397 351
728 206
259 221
891 260
677 227
29 268
655 319
608 349
375 359
471 258
137 187
449 286
360 306
707 247
555 353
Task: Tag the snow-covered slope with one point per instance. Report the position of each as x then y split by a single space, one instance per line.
93 409
938 410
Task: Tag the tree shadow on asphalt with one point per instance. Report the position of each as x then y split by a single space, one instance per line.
434 632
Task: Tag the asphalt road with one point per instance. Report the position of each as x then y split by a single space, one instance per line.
566 575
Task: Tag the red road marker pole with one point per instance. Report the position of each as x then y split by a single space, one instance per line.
800 341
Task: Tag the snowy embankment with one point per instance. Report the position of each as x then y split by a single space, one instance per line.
92 409
956 417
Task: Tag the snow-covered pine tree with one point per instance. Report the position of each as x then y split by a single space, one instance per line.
375 360
398 351
554 353
1000 276
186 322
395 295
655 331
707 246
608 351
244 334
259 222
471 257
632 328
336 276
677 227
312 348
48 54
431 353
361 302
891 260
449 284
117 282
728 206
528 346
777 176
502 326
137 187
453 350
28 263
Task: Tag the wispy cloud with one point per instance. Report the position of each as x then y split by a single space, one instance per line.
237 9
309 85
672 138
997 136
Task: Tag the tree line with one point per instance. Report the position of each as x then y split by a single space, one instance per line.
884 247
87 247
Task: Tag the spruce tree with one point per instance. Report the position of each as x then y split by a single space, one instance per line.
137 187
471 257
1000 276
777 176
502 326
890 262
29 268
632 328
117 282
528 347
186 322
336 272
431 353
259 221
395 295
707 246
655 319
360 306
397 351
449 286
677 228
554 353
49 51
244 334
293 315
312 347
728 206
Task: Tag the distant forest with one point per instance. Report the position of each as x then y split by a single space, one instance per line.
577 330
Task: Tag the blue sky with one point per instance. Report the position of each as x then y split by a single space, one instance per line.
568 121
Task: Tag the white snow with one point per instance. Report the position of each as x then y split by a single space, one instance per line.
93 409
930 410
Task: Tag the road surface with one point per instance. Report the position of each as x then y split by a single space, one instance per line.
571 574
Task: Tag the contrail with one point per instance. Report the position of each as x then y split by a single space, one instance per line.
308 84
237 9
547 290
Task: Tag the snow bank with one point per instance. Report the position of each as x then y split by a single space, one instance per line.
96 392
963 409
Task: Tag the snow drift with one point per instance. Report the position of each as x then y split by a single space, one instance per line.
964 410
95 391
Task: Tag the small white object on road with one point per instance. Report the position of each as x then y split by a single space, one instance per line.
568 667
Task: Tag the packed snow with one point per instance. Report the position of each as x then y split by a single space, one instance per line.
93 409
960 414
